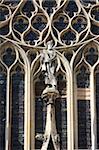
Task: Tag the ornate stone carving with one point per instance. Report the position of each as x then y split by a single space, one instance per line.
48 68
48 64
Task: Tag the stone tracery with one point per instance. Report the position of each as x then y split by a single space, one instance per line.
33 22
73 26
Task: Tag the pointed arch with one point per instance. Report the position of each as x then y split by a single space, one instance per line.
12 54
85 88
35 73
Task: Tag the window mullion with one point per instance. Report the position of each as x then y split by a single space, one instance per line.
7 136
93 112
75 111
27 111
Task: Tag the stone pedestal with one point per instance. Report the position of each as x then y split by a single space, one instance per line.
50 95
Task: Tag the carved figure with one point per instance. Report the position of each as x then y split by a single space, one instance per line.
48 61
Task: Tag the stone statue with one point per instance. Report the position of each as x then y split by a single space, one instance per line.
48 63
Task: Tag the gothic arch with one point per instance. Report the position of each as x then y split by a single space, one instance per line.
34 77
82 58
20 61
73 26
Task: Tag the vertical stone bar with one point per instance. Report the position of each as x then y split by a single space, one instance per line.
93 111
27 111
7 140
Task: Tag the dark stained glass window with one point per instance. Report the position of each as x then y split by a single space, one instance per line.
71 8
84 124
61 111
9 57
17 122
49 5
91 56
61 121
2 108
40 112
97 107
40 119
83 77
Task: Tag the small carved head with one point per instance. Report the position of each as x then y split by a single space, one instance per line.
49 45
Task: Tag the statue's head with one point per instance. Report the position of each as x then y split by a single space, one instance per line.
49 45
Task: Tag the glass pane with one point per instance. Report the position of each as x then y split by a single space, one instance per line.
40 112
84 124
40 119
83 78
17 126
61 111
9 57
49 5
92 56
2 109
61 121
97 107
